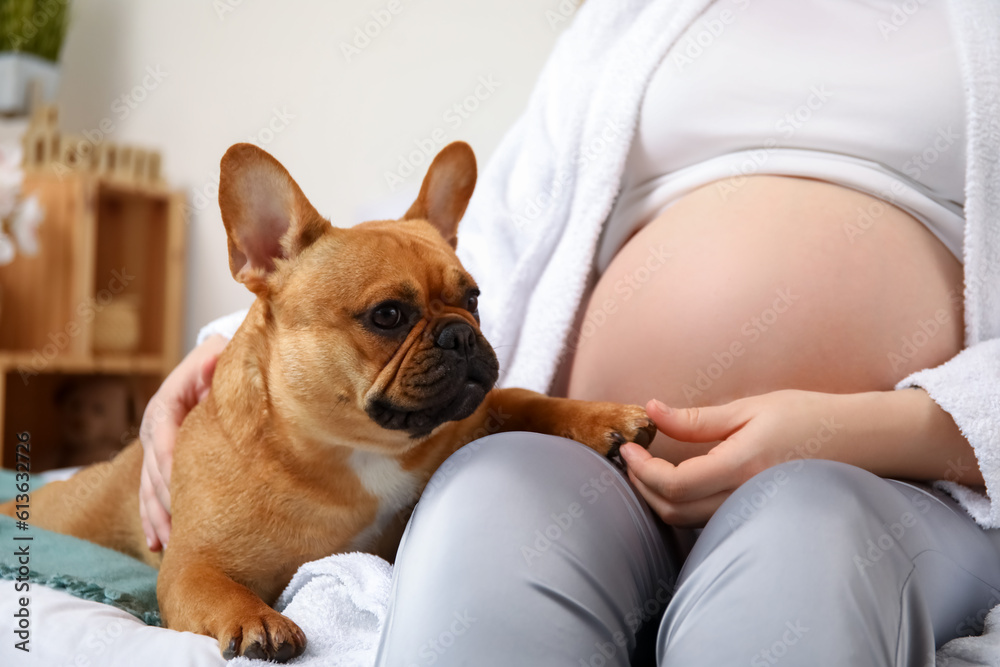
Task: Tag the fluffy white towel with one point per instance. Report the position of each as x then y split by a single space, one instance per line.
340 602
981 651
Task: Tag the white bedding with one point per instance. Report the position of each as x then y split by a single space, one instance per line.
324 598
339 602
69 632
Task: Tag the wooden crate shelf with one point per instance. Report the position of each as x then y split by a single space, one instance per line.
107 246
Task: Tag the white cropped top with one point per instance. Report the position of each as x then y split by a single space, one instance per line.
855 92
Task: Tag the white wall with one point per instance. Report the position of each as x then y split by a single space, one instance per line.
228 70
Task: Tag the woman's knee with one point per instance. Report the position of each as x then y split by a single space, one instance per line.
803 500
505 464
536 500
519 483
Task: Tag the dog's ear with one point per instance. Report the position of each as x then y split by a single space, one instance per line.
446 190
266 215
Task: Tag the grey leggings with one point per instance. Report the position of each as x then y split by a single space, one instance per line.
533 550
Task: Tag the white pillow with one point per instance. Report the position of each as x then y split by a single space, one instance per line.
67 631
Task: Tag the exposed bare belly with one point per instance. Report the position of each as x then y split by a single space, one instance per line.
772 286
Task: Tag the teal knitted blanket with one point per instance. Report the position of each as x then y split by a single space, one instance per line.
80 568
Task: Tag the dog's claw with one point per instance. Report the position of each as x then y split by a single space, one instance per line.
285 652
646 434
270 636
255 651
230 651
617 440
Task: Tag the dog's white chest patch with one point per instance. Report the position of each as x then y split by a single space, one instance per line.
385 479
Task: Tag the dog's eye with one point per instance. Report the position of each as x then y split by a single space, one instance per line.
473 304
387 317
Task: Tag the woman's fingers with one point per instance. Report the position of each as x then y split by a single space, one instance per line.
155 519
147 526
693 479
693 514
205 377
703 424
159 482
213 348
163 454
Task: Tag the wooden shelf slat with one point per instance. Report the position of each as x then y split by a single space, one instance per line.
105 363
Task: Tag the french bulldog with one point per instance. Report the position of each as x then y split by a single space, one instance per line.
359 369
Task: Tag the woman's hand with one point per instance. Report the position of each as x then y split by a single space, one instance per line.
185 387
893 434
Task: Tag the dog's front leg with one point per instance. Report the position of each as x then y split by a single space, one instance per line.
195 595
603 427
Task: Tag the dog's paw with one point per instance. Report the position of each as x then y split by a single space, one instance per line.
605 427
267 636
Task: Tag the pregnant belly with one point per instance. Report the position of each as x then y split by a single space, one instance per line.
774 284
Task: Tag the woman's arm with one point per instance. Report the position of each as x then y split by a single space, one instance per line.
901 433
911 437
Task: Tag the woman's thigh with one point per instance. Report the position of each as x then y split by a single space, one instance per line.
528 549
821 563
729 294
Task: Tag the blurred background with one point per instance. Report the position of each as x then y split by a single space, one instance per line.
113 252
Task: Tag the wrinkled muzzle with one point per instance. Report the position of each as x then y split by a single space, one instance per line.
443 376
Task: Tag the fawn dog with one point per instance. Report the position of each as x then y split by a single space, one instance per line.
359 368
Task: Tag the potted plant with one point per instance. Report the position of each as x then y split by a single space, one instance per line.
31 36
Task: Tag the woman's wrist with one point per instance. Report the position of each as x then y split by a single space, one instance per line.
905 434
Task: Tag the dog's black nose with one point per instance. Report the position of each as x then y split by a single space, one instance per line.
456 336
